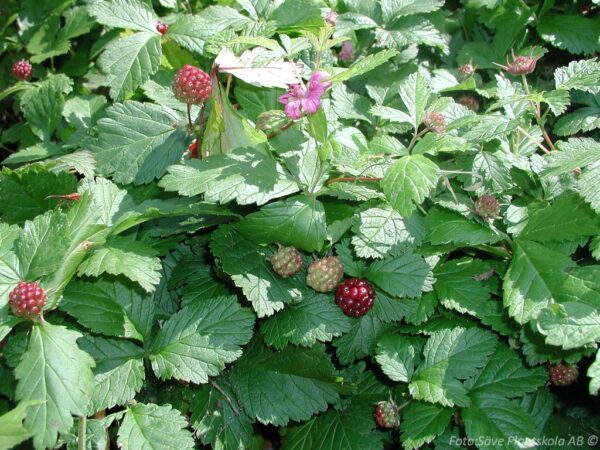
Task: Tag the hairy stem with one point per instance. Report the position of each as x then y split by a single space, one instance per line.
81 433
537 114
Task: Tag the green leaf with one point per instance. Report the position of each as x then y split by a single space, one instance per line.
298 221
150 426
296 15
12 431
589 187
137 142
583 75
569 325
396 356
403 276
350 429
248 265
396 8
422 422
576 34
415 92
55 372
361 340
365 65
450 355
533 279
491 419
315 318
130 61
447 227
576 152
243 175
220 420
568 218
594 374
291 384
110 308
504 375
44 111
24 193
130 14
119 372
198 341
122 256
490 127
581 120
378 230
408 180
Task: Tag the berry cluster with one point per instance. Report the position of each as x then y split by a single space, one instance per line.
355 296
162 28
27 300
386 414
563 375
192 85
22 70
487 207
434 121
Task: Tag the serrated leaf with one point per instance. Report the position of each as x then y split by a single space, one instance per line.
291 384
415 92
315 318
198 341
298 221
569 325
130 61
576 152
361 340
12 431
403 276
147 426
56 373
491 419
396 8
594 374
127 257
589 187
137 142
583 75
504 375
533 279
130 14
396 356
409 180
44 111
449 356
576 34
247 264
422 422
119 372
445 227
365 65
581 120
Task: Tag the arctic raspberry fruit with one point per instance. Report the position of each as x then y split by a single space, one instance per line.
192 85
22 70
563 375
434 121
355 296
27 300
466 69
193 149
324 274
162 28
287 261
487 207
470 102
386 414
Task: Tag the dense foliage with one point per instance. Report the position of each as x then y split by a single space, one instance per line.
299 224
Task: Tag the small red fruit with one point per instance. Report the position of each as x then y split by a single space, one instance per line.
192 85
27 300
467 69
193 149
563 375
161 27
355 296
434 121
386 414
22 70
487 207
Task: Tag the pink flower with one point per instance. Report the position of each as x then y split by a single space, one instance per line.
331 17
301 100
347 52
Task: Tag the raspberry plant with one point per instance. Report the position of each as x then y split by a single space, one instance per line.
430 167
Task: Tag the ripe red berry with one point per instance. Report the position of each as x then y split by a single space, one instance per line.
192 85
161 27
27 300
22 70
386 415
563 375
193 149
355 296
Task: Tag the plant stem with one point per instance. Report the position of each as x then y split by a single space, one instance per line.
189 115
417 134
227 397
532 139
538 116
81 433
366 179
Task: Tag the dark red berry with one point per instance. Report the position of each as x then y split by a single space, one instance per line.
22 70
27 300
563 375
487 207
386 415
161 27
192 85
355 296
193 149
